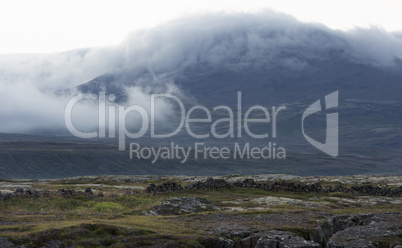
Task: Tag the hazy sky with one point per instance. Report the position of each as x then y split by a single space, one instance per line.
48 26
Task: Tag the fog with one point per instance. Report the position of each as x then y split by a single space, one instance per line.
28 81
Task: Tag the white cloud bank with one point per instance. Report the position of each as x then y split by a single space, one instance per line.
27 81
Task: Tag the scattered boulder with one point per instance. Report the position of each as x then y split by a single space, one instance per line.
31 193
88 192
264 239
218 243
183 205
19 191
210 184
67 192
275 239
6 196
149 213
164 187
225 243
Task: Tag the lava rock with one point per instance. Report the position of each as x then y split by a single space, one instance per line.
210 184
67 192
274 239
164 187
19 191
88 191
183 205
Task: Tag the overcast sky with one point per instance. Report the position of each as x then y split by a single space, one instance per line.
43 26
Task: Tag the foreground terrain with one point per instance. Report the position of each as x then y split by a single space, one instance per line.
183 211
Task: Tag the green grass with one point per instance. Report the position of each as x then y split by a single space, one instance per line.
44 204
99 218
103 206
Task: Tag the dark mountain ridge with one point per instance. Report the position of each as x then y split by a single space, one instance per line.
274 61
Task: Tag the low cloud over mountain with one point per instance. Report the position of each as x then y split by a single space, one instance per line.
162 59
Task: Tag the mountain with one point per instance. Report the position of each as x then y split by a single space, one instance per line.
273 61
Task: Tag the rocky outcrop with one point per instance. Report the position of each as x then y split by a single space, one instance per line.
334 231
66 192
20 192
182 205
164 187
88 192
210 184
374 235
278 239
316 187
6 196
265 239
31 193
366 230
375 190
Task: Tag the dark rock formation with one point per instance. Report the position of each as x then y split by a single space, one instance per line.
88 192
215 184
264 239
67 192
31 193
164 187
6 196
210 184
276 239
338 231
19 191
366 230
183 205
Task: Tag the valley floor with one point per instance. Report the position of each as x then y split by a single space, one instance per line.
183 211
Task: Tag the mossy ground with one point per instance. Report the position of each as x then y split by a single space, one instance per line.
92 221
